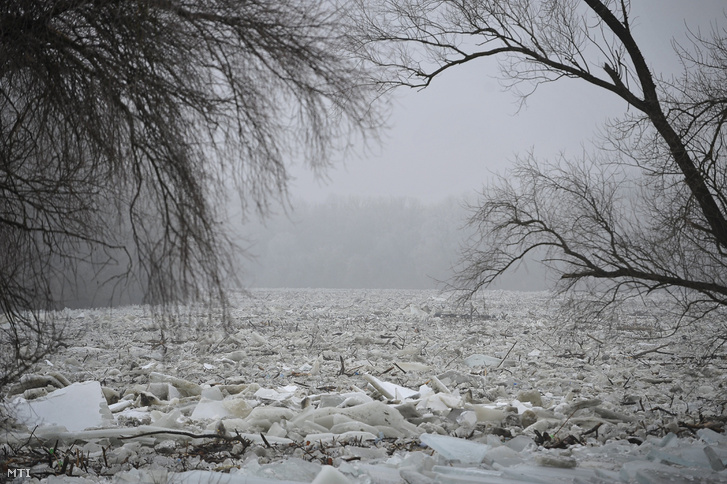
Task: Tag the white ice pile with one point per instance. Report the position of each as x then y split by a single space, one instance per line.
373 387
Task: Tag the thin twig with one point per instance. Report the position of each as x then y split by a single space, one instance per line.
342 371
594 429
506 354
664 410
181 432
566 421
653 350
595 339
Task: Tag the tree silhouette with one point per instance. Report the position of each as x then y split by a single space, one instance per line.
647 210
125 123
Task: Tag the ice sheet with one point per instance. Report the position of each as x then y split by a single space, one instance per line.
291 390
76 407
452 448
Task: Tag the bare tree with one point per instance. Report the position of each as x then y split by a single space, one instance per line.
647 210
125 123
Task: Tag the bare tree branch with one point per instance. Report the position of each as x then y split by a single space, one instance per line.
124 125
648 211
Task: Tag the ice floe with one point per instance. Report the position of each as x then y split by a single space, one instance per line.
372 387
76 407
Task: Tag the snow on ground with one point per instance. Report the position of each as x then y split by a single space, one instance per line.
373 386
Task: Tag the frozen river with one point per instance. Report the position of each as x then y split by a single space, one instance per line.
374 386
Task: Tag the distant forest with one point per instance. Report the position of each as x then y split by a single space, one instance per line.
344 242
349 242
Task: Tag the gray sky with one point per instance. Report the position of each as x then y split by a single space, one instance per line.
446 140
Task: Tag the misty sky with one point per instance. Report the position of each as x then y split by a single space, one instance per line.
447 139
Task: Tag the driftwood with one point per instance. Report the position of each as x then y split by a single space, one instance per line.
506 354
652 350
220 435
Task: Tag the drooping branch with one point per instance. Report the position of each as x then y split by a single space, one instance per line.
664 224
126 127
579 218
651 106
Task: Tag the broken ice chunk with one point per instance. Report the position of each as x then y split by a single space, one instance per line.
257 339
212 393
712 437
75 407
208 409
413 477
376 414
413 310
486 412
486 360
714 460
466 475
193 477
530 396
502 456
528 418
354 398
279 395
669 440
172 420
353 425
520 443
120 405
467 419
390 390
28 382
293 469
235 356
331 418
481 360
452 448
413 366
561 462
163 390
655 473
277 430
185 387
440 402
612 415
438 386
330 400
264 417
688 457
